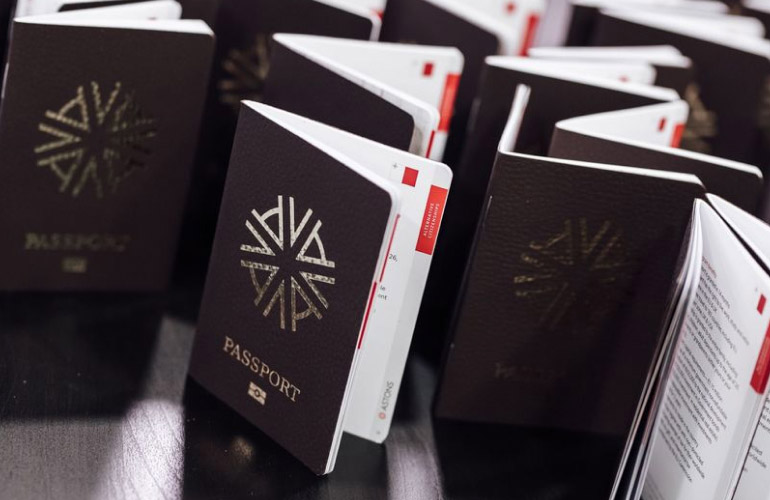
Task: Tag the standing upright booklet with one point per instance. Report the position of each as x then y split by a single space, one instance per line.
732 71
713 390
595 308
672 69
96 156
478 29
396 94
557 93
319 263
643 137
242 58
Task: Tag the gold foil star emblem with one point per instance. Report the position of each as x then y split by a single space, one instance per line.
287 263
575 277
97 139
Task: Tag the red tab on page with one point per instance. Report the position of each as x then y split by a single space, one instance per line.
430 144
762 369
529 34
677 138
431 220
448 101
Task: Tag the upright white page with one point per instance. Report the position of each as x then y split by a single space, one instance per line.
754 483
657 124
717 383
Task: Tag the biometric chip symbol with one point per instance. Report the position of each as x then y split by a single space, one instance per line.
96 139
271 237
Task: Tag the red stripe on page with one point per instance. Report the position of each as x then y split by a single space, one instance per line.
390 244
762 368
366 316
430 144
761 304
431 220
447 107
677 138
529 34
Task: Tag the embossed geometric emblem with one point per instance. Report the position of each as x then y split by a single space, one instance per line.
287 262
98 138
573 277
245 72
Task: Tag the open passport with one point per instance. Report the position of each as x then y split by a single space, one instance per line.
319 264
625 301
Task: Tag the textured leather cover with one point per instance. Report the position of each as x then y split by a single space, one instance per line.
732 85
304 87
109 218
743 189
244 29
565 296
268 161
551 100
673 77
419 21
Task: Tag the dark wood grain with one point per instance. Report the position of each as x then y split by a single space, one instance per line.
95 404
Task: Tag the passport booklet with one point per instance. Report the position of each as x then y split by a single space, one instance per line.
622 298
319 264
400 95
95 154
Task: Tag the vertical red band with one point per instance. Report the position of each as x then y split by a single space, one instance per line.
430 143
448 101
529 34
677 138
431 220
366 316
762 369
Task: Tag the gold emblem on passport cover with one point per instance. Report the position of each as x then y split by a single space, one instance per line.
287 263
97 139
574 273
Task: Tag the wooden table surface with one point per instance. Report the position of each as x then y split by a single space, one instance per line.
95 404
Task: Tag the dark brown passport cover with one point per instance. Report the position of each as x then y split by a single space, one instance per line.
242 60
268 161
565 297
741 188
98 129
304 87
551 100
419 21
733 87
